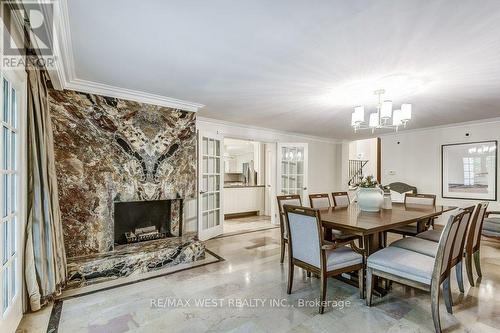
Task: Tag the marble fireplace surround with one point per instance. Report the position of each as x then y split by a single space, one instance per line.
111 150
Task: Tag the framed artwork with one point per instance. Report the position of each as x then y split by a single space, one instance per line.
469 170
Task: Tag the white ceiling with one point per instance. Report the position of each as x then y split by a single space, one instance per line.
297 65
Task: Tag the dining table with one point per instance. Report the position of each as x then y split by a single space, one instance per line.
372 227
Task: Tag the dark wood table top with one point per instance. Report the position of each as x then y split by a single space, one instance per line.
354 221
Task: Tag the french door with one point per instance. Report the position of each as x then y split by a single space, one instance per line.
270 180
210 185
12 180
292 169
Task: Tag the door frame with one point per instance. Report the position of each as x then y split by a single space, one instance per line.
271 180
274 182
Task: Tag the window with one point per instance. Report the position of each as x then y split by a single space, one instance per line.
468 171
9 213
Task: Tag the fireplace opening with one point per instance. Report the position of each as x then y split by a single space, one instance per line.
140 221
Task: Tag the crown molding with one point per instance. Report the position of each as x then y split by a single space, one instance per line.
452 125
63 76
129 94
265 130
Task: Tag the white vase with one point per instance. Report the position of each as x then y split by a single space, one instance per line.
370 199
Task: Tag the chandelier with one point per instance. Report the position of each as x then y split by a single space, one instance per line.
382 117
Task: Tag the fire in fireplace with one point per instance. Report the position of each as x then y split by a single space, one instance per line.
140 221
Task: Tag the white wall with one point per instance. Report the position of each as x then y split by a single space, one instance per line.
415 156
325 162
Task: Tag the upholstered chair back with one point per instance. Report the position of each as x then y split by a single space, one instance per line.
458 246
319 200
293 200
420 199
340 199
474 237
445 248
304 234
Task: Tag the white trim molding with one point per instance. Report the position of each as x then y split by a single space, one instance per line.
451 125
63 76
261 133
129 94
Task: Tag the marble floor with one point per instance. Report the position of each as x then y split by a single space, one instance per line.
245 224
246 293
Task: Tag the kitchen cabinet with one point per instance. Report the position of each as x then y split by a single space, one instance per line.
244 199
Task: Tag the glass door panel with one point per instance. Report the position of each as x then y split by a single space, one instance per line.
292 169
9 188
210 187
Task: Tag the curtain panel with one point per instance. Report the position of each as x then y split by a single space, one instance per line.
45 258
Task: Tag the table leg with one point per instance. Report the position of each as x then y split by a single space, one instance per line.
327 232
421 225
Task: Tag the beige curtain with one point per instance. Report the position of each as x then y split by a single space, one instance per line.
45 258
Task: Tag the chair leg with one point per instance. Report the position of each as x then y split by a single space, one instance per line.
290 277
282 259
361 283
435 306
369 286
460 276
323 292
477 262
468 267
447 295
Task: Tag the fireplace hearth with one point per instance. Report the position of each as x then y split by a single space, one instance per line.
140 221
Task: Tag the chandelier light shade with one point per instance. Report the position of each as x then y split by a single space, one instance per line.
382 117
405 112
386 110
358 116
374 121
397 119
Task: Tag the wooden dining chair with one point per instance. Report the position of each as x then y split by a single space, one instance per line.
472 248
415 199
321 200
292 199
429 247
472 245
340 199
418 270
308 249
491 225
